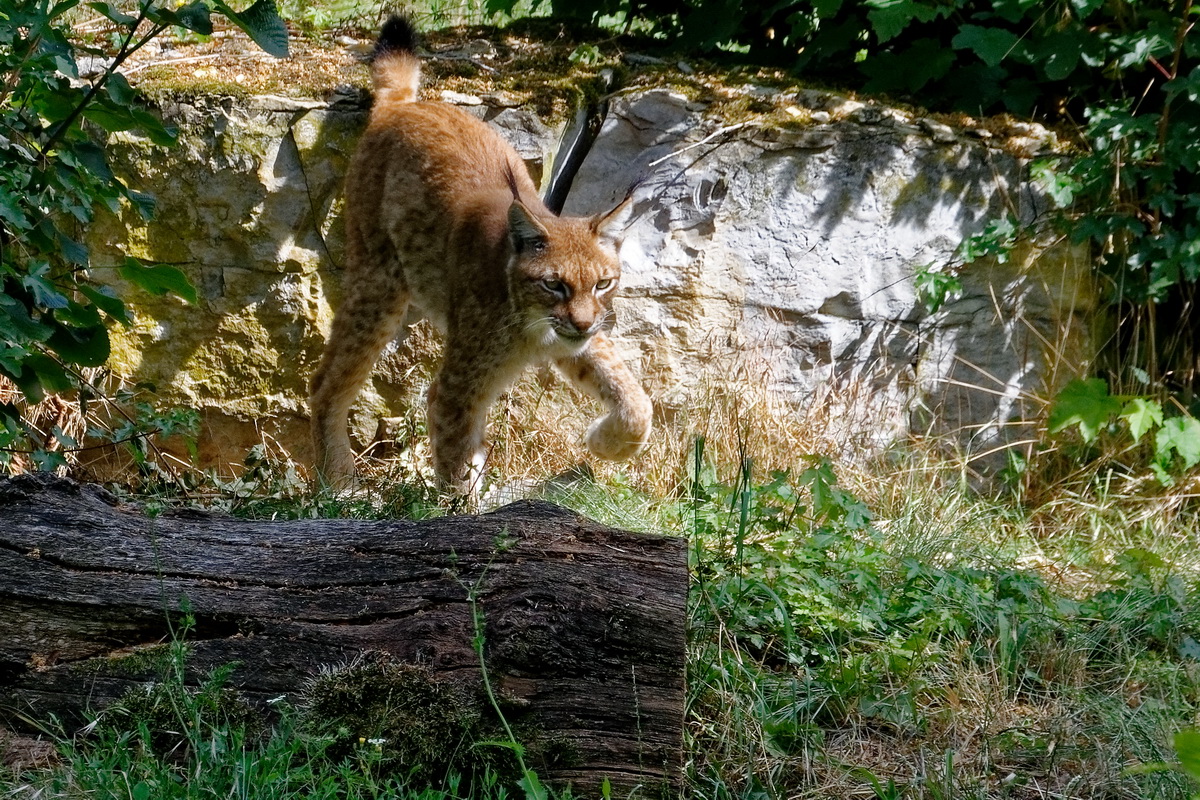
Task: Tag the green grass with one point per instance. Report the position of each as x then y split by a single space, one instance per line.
854 632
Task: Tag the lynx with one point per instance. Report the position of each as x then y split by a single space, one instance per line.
442 215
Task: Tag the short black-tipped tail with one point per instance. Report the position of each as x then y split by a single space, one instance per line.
397 36
395 67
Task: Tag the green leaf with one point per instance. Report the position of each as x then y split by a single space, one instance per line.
1187 750
1013 10
50 373
11 211
1142 415
161 135
534 790
262 23
26 379
111 119
195 16
103 298
826 8
1060 187
990 44
45 293
144 203
92 159
115 14
11 358
119 89
158 279
72 251
935 288
1058 53
889 18
1180 435
1085 403
909 70
1085 7
84 347
18 325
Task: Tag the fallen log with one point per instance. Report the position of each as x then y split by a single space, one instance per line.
583 625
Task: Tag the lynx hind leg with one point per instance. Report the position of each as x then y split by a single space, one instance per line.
369 318
625 427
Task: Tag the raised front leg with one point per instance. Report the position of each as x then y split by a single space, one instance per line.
600 372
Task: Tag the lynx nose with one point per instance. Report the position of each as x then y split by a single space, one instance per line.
570 329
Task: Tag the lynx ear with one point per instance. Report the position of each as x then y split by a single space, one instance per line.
525 231
610 226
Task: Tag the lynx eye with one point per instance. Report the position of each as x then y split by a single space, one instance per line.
604 285
554 287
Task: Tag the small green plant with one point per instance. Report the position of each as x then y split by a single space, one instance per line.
809 621
935 288
1087 406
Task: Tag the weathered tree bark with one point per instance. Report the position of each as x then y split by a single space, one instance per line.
584 624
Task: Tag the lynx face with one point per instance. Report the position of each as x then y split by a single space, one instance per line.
564 273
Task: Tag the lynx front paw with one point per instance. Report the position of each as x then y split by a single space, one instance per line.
617 436
466 480
334 457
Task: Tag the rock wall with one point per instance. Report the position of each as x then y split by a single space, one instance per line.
781 255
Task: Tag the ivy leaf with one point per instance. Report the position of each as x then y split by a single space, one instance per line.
1060 187
1085 403
1013 10
158 279
1189 84
45 293
262 23
11 212
1142 414
990 44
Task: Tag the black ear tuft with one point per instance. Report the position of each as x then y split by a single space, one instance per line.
397 36
526 232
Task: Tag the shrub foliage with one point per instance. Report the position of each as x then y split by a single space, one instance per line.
1124 73
58 99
